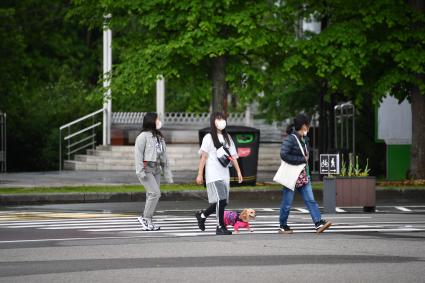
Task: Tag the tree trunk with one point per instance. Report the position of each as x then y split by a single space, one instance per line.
323 122
323 109
331 121
219 101
417 164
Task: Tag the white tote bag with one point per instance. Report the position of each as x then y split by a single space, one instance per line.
288 174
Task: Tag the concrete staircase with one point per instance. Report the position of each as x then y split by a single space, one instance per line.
183 157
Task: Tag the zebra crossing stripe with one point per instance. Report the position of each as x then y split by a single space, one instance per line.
7 217
308 231
62 220
79 239
403 208
256 229
170 222
181 226
268 209
191 234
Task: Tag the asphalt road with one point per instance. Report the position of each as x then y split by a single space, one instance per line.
103 243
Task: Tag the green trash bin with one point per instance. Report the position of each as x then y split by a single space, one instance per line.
247 142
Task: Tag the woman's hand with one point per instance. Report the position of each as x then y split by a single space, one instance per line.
199 179
240 178
202 161
238 169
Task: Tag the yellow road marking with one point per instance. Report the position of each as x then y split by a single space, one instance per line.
42 215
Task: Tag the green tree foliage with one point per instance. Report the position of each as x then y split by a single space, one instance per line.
49 67
364 49
206 46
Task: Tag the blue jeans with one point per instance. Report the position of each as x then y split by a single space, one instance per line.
288 197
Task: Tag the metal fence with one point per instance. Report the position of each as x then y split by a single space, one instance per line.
175 118
345 129
3 142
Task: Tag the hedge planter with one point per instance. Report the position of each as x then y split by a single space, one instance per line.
349 191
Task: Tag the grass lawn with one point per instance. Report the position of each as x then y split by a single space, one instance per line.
116 189
164 188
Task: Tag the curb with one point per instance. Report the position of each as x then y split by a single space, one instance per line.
413 195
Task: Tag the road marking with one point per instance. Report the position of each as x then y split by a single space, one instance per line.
124 226
343 217
77 239
36 216
268 209
306 231
403 208
61 220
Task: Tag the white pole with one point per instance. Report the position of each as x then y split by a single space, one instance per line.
248 121
160 96
107 67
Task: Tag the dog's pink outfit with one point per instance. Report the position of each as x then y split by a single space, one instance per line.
232 218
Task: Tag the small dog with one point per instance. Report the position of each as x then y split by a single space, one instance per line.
239 220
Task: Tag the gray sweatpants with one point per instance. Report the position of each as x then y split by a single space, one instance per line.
151 182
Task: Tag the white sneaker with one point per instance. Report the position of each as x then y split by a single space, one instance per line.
154 227
144 223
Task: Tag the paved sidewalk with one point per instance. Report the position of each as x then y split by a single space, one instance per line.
105 178
84 178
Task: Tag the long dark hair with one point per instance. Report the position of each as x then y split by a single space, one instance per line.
149 124
214 134
299 121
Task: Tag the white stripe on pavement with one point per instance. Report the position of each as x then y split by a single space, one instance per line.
403 208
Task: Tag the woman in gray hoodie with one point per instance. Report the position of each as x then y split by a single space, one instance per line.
151 160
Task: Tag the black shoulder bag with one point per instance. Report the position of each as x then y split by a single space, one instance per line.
223 154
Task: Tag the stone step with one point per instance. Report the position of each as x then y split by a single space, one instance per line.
182 157
170 149
175 157
171 155
84 166
178 163
80 166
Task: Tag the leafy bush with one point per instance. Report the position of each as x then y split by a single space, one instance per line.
354 169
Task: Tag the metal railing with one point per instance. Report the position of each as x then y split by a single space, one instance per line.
79 139
345 127
171 118
3 142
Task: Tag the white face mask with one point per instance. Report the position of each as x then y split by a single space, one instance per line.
221 124
305 133
158 125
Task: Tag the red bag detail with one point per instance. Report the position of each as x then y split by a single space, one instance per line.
302 179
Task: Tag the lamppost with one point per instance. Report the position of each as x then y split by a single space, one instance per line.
160 96
107 73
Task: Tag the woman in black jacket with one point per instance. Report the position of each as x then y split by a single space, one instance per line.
291 153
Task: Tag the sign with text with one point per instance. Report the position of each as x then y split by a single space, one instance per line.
329 164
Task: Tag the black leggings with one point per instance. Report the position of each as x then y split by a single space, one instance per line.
218 208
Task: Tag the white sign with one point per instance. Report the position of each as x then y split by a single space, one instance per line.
329 164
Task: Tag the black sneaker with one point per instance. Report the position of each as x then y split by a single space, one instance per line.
322 225
222 231
285 229
201 221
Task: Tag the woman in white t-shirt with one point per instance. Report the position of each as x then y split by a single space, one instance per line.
215 145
